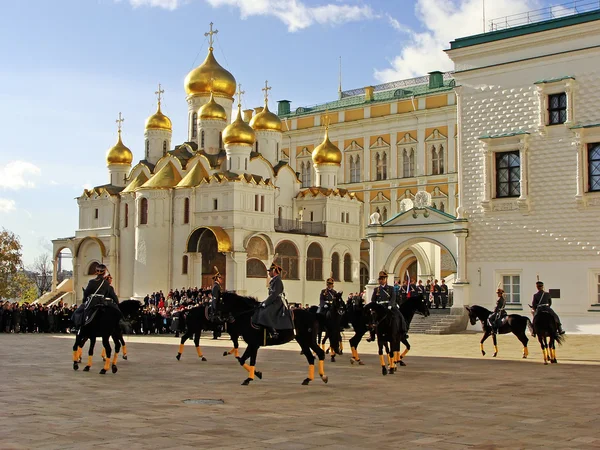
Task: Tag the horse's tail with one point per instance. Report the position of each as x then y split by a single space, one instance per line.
559 338
529 325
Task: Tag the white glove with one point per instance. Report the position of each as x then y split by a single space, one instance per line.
390 307
262 305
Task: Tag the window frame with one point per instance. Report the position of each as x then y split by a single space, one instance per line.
589 161
194 125
559 109
144 211
510 303
314 264
497 157
566 85
186 210
347 268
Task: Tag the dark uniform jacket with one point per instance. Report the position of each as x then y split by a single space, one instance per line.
383 294
444 290
273 313
216 294
326 297
541 298
102 286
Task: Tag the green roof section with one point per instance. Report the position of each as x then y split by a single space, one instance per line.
524 30
378 97
504 135
555 80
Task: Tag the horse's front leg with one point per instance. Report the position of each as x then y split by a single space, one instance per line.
188 334
380 352
486 335
76 347
495 345
354 341
107 347
235 350
544 346
404 353
306 351
252 367
197 344
115 358
552 350
90 354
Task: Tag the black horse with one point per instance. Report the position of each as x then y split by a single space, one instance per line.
197 320
514 323
547 333
355 318
105 324
408 309
331 324
388 335
305 323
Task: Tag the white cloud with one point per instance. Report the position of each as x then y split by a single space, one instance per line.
6 205
165 4
17 174
444 21
396 25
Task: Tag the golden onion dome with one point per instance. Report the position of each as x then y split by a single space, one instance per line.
210 76
239 132
119 154
266 120
327 152
212 110
158 121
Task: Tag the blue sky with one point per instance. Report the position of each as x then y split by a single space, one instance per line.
70 66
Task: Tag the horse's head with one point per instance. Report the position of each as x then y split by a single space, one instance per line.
338 303
474 314
373 314
234 305
423 307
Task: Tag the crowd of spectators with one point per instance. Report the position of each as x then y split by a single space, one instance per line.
33 318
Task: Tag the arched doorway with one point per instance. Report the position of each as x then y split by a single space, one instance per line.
210 244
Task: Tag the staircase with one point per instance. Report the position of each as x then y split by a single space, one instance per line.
441 321
64 291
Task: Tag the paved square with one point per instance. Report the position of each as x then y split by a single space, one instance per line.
448 397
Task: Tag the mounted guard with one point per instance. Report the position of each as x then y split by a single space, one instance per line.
327 296
498 316
543 302
216 296
385 295
273 314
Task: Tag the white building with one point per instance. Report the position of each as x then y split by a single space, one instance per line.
529 167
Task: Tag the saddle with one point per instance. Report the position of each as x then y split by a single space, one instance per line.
95 304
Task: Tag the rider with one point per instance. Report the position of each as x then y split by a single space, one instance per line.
272 313
385 295
495 319
327 296
542 298
98 287
216 295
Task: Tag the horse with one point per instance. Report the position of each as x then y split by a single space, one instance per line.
408 309
305 324
546 329
382 321
197 320
514 323
354 317
104 324
331 324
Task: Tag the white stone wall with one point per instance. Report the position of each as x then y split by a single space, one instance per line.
553 236
157 142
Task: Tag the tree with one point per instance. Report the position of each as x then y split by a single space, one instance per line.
10 261
22 287
41 273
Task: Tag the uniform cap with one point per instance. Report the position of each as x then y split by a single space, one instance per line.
383 274
100 269
330 280
539 283
217 274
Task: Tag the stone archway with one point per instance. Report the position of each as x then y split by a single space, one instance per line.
208 244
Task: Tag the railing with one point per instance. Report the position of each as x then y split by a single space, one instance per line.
395 85
548 13
300 227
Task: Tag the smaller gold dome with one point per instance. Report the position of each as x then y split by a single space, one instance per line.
327 152
266 120
158 121
210 76
212 110
239 132
119 154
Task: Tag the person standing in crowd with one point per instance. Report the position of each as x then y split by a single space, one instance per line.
436 294
444 294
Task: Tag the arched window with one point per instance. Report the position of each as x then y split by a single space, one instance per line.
257 248
314 262
408 163
255 268
194 125
280 215
335 266
202 139
288 259
384 214
126 215
381 166
164 148
147 148
305 170
347 267
144 211
184 265
437 160
354 169
364 276
186 210
442 207
220 140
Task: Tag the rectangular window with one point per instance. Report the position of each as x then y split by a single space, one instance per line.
262 203
593 167
186 210
126 215
512 288
96 213
598 288
255 202
508 172
215 204
557 108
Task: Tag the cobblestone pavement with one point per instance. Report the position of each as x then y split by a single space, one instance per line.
448 397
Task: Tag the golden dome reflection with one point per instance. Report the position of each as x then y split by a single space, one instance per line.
239 132
210 76
327 152
158 121
119 154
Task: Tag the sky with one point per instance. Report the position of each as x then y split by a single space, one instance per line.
70 66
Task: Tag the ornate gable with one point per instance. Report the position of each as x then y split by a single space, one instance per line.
436 136
379 143
407 139
353 147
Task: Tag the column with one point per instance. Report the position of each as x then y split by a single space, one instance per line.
393 162
580 162
55 272
461 257
375 243
451 163
421 146
366 176
235 276
78 292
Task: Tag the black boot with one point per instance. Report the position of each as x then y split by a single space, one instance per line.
560 330
274 334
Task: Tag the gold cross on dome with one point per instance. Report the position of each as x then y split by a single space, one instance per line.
266 90
210 35
159 92
119 121
239 94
